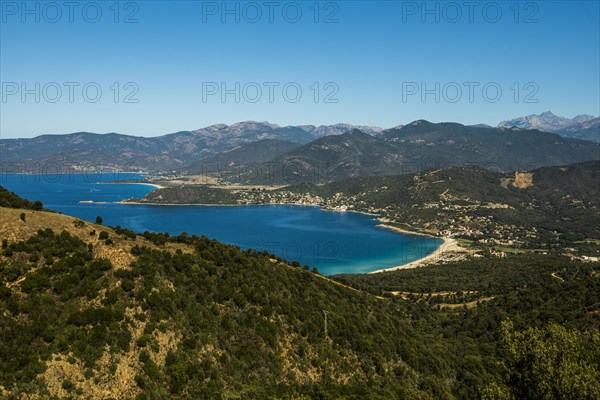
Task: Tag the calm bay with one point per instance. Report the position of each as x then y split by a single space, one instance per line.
335 242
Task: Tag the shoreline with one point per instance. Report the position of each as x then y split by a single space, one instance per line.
254 205
139 203
448 245
154 185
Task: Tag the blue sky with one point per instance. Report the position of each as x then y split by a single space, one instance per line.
161 66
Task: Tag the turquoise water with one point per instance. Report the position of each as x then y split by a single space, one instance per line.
332 241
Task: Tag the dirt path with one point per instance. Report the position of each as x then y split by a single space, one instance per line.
556 277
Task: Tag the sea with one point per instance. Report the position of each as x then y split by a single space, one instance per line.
334 242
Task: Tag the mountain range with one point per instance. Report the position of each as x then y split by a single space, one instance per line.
293 154
163 153
586 127
245 154
415 147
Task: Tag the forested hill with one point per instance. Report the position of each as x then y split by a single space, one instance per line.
544 205
547 184
416 147
88 311
246 154
12 200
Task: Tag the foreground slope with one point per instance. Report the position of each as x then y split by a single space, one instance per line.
91 311
88 311
535 317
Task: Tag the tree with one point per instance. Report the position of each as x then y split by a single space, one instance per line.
548 363
37 205
127 284
103 235
99 220
22 216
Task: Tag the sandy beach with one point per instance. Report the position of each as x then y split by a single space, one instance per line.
156 186
147 184
449 246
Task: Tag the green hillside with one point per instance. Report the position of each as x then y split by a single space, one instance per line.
12 200
244 155
88 311
546 205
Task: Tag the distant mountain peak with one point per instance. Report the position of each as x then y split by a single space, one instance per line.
210 128
242 125
253 125
419 122
582 126
267 127
583 118
546 121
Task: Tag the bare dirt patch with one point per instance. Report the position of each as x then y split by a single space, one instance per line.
523 180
